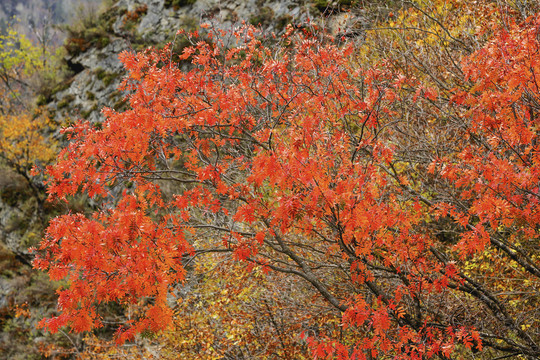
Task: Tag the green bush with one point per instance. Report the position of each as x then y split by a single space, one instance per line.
66 100
264 18
176 4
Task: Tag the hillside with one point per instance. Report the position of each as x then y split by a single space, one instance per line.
282 179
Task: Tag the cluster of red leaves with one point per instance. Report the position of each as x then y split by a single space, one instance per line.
288 143
499 169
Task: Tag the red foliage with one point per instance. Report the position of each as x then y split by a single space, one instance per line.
287 146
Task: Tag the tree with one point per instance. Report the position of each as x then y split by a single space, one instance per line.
25 130
24 144
289 158
19 61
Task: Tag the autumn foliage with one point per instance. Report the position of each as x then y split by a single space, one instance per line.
302 161
25 139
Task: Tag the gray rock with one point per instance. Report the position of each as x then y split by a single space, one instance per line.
6 289
158 26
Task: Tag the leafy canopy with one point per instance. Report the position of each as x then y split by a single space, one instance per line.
294 159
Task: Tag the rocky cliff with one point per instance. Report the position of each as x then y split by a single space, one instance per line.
133 25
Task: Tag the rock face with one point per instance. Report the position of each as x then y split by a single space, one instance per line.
132 25
19 221
21 226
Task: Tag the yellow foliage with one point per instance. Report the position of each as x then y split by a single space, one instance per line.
428 38
236 313
19 54
24 69
24 142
